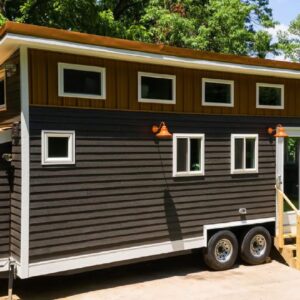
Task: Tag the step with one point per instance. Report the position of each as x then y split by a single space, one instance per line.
291 247
288 252
289 236
293 263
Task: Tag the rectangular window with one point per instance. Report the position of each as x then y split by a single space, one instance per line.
244 153
188 154
156 88
81 81
2 90
217 92
270 96
58 147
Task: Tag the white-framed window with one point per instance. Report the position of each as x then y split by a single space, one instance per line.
81 81
2 90
188 154
156 88
217 92
244 153
58 147
269 96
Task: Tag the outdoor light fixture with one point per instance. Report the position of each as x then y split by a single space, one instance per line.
161 131
11 69
279 133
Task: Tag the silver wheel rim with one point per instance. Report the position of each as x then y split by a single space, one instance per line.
223 250
258 245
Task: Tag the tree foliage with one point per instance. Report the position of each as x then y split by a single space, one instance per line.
289 41
228 26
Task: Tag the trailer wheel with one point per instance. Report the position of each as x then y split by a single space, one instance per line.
221 251
256 246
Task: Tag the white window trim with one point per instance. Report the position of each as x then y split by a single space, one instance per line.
210 80
61 92
161 76
280 86
59 160
3 76
202 157
244 171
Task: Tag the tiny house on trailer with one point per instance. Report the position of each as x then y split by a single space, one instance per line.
87 180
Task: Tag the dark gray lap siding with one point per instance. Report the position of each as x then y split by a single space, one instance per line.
5 174
121 192
15 230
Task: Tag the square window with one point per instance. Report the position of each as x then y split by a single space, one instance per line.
2 90
244 153
188 154
81 81
217 92
156 88
58 147
269 96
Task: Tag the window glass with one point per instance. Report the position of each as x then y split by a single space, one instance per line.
156 88
217 93
270 96
58 147
182 148
239 153
82 82
2 92
250 153
195 161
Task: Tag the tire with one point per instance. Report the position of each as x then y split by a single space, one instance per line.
221 251
256 246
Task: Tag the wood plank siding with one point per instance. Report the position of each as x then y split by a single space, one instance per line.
4 202
121 85
15 229
121 192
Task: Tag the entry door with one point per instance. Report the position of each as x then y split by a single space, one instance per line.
292 169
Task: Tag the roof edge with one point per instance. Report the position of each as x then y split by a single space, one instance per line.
92 39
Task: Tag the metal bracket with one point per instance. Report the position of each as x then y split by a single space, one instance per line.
243 211
278 181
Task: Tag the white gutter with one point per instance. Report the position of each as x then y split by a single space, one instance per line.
11 42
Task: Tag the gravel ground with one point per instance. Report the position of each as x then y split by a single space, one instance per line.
179 278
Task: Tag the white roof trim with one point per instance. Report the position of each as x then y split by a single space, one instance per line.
11 42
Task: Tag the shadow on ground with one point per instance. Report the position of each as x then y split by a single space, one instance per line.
53 287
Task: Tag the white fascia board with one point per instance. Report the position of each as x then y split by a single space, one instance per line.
125 254
112 256
227 225
11 40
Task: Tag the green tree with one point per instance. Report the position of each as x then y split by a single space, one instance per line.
228 26
289 41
